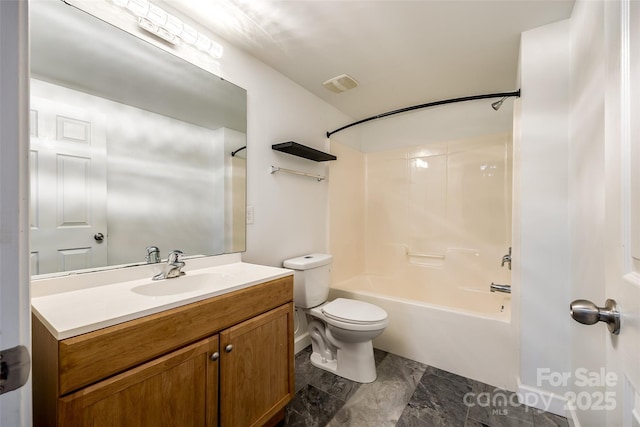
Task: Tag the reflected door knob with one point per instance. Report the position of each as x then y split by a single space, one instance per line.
588 313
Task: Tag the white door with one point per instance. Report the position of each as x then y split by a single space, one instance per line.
622 169
68 188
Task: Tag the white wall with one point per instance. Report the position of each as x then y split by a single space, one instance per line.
449 202
347 212
541 245
587 190
563 132
290 212
450 199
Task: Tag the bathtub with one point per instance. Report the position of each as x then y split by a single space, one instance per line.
461 330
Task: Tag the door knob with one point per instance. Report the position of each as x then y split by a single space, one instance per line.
228 348
588 313
99 237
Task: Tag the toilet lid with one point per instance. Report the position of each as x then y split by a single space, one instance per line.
352 311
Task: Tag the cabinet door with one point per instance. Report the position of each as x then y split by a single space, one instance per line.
179 389
256 375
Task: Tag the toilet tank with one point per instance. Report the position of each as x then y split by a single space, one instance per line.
311 279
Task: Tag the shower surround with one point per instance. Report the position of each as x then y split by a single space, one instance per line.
437 222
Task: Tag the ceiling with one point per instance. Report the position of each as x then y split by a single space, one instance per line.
402 53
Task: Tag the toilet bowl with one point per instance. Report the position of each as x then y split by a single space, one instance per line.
342 342
341 331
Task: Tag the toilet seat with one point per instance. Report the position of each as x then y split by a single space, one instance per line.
342 314
353 311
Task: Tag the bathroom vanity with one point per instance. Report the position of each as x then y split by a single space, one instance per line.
219 353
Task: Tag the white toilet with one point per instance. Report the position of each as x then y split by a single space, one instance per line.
341 331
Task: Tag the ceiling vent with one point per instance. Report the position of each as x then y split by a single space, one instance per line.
340 83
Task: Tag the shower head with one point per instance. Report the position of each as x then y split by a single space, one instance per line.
496 105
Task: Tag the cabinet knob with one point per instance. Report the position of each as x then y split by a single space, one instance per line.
228 348
215 356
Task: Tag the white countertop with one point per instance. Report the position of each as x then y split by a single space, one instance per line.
68 311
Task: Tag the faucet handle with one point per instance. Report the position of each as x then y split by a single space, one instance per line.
153 255
506 259
175 256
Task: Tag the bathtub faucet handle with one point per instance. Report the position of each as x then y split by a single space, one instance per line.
507 259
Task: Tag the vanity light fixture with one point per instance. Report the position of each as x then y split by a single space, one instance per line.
157 21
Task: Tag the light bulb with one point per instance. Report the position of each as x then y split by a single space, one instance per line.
149 26
171 38
216 50
203 43
174 25
138 7
157 15
189 34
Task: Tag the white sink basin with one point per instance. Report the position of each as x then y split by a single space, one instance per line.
184 284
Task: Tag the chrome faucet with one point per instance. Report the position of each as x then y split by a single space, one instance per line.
506 259
500 288
172 268
153 255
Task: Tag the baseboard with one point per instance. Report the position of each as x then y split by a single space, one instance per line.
301 342
542 399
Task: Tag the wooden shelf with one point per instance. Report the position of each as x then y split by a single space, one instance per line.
300 150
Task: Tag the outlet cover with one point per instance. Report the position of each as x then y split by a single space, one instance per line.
249 214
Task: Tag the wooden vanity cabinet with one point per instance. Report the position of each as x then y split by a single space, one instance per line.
179 389
255 378
239 374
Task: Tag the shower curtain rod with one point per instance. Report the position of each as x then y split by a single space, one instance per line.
233 153
428 104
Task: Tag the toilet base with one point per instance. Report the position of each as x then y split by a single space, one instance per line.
354 361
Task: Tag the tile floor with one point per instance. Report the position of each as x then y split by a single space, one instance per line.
406 394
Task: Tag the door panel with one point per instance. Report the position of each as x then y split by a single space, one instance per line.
68 188
74 190
74 259
256 375
173 390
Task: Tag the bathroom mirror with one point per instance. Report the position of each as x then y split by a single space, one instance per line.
130 147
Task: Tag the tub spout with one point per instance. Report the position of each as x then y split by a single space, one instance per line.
500 288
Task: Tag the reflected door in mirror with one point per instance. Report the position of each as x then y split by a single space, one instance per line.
68 188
